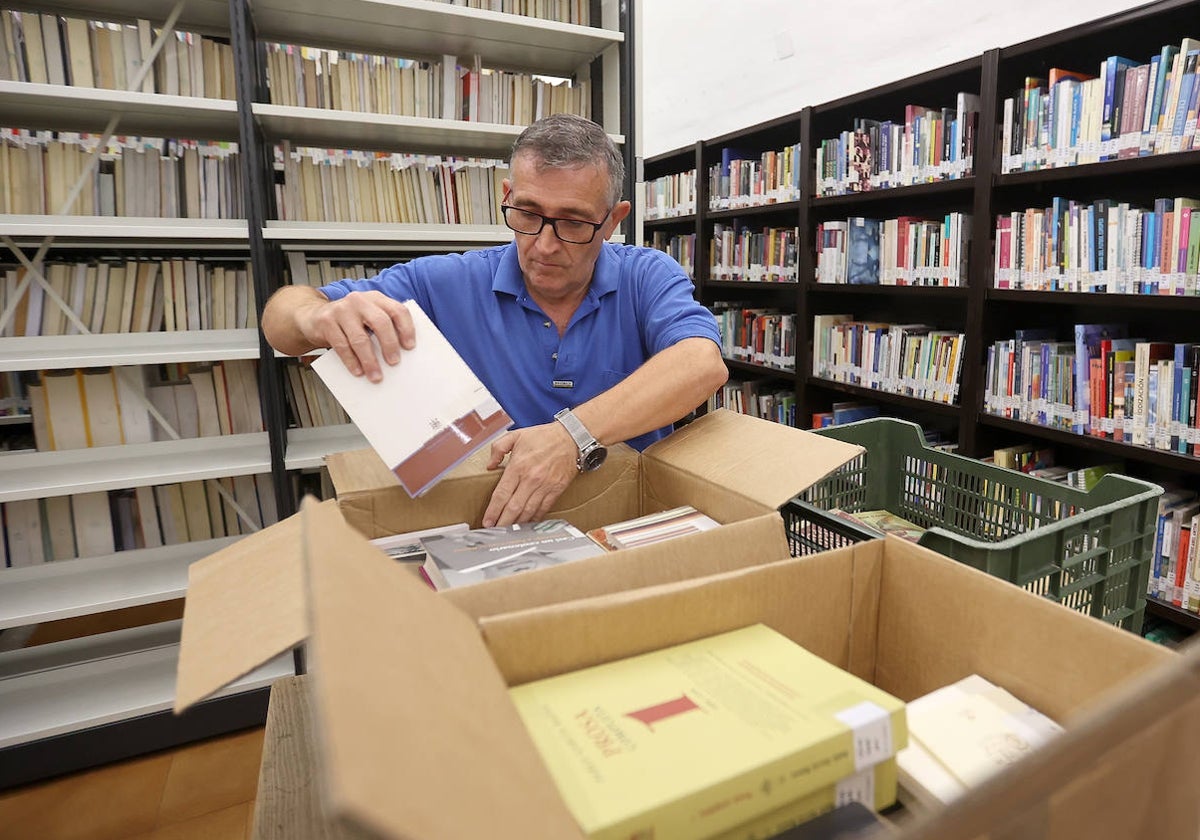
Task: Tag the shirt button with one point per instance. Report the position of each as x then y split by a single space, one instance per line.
545 323
554 356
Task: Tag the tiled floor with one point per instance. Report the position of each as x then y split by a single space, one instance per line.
202 791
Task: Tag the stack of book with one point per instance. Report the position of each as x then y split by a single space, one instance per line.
652 528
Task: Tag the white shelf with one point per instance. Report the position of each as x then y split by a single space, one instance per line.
65 108
44 352
412 28
208 16
125 228
307 448
69 588
66 687
35 475
297 234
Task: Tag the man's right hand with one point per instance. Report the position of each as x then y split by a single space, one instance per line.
298 319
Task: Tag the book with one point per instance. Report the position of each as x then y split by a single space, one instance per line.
447 412
962 734
883 522
465 557
652 528
407 547
695 739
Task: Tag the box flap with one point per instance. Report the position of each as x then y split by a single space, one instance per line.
245 605
766 462
413 744
739 544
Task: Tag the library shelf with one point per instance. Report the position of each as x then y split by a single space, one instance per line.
206 16
781 207
748 285
103 229
413 28
14 420
888 397
670 221
939 292
951 186
757 369
307 447
54 689
71 588
1175 461
1097 299
1108 169
46 352
1172 613
441 236
29 475
65 108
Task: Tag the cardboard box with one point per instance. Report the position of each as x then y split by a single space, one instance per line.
419 740
737 469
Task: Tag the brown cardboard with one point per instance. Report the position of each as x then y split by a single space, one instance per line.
419 740
729 465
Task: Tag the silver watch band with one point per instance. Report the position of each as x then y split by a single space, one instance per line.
579 433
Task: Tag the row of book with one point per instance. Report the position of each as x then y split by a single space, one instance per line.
1100 246
1125 109
844 411
563 11
1102 383
906 251
64 50
930 144
1039 461
756 398
136 176
128 296
756 336
306 271
96 524
14 401
310 77
680 246
309 401
351 186
741 179
914 360
1174 576
670 195
90 407
766 255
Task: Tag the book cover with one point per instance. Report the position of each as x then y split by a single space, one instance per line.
883 522
692 740
862 263
427 415
652 528
407 547
461 558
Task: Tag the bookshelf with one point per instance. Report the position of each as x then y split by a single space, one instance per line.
981 311
122 681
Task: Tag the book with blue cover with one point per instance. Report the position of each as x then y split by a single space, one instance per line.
862 251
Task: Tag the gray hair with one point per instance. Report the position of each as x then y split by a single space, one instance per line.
568 141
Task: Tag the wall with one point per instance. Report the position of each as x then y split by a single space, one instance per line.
714 66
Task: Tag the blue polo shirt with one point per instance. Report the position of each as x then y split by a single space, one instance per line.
639 302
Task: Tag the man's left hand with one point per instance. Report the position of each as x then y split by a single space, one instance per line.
542 461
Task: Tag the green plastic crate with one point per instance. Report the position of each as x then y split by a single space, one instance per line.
1090 550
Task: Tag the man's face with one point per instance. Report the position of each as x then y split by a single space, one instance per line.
557 271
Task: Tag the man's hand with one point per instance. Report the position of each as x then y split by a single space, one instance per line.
346 326
541 464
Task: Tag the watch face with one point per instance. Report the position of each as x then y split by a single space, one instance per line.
593 459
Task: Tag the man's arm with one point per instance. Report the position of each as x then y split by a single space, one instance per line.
298 319
542 458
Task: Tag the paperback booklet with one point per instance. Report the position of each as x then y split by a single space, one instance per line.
652 528
884 523
465 557
429 412
407 547
696 739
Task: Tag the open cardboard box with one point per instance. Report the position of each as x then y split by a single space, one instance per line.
737 469
417 738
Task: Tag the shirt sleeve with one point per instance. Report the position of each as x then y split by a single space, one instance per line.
668 310
399 282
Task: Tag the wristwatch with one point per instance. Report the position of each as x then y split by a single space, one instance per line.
591 451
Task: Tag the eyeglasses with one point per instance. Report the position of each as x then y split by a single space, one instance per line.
573 231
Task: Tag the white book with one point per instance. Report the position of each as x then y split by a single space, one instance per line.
23 523
93 524
448 414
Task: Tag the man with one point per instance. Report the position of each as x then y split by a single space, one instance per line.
558 319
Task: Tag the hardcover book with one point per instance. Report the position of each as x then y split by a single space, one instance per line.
692 740
427 414
461 558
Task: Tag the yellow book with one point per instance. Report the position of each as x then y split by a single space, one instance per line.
696 739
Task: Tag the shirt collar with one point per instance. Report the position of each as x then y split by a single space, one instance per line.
510 281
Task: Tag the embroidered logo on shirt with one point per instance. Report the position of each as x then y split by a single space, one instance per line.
563 383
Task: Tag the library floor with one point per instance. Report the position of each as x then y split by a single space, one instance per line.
202 791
